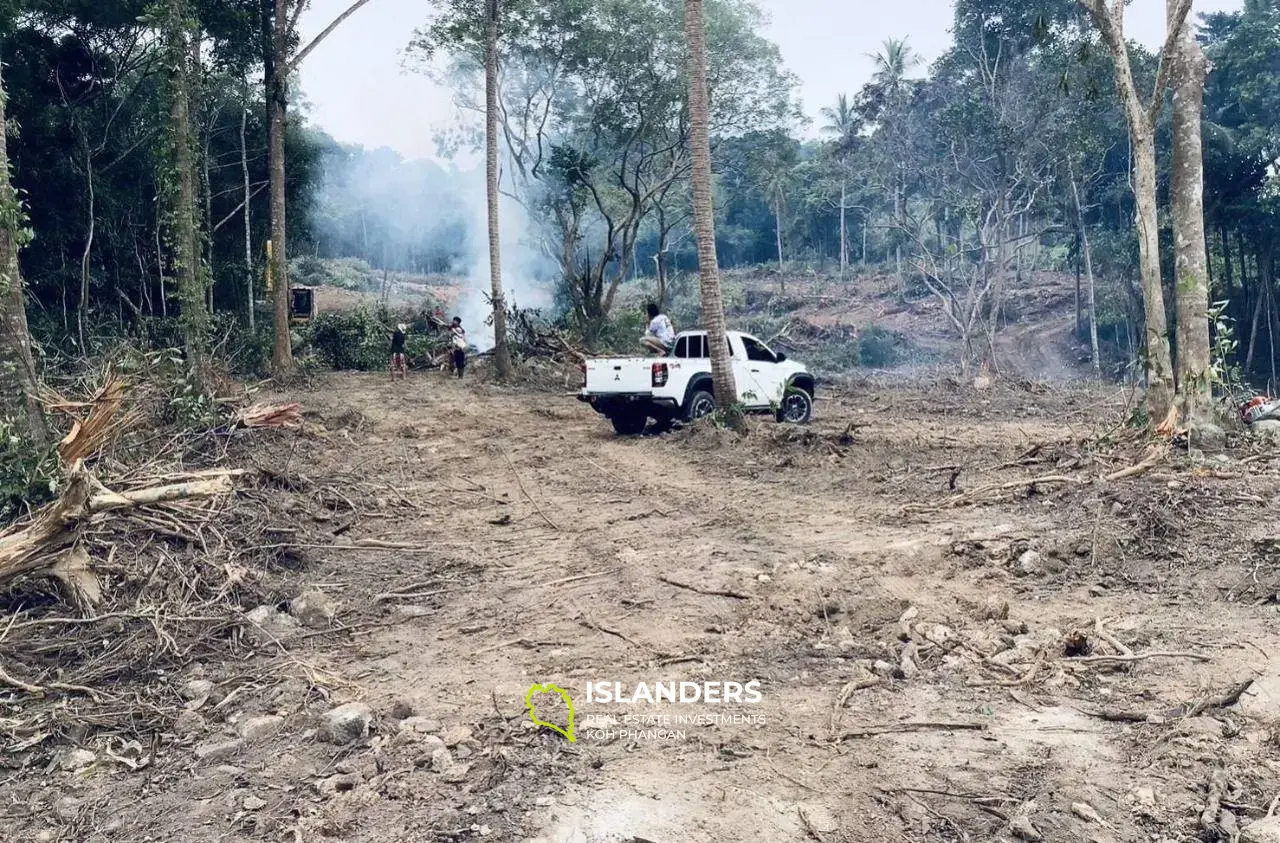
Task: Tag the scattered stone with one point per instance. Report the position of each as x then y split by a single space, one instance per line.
1117 508
419 724
188 723
197 689
441 760
1023 829
428 744
313 609
260 728
1208 436
346 723
218 750
77 759
457 774
456 735
253 803
67 808
1261 831
995 609
1097 590
403 709
1031 563
1086 812
334 785
410 612
883 668
1268 430
545 801
46 836
764 578
1015 627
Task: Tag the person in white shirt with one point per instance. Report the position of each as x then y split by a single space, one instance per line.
661 334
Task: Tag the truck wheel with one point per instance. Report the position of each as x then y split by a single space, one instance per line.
797 407
629 424
701 403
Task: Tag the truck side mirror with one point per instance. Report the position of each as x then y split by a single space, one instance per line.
782 358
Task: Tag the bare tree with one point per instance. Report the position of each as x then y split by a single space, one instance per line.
1141 117
726 390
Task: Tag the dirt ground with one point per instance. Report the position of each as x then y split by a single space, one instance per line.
946 647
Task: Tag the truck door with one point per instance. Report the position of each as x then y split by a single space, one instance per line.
762 367
750 391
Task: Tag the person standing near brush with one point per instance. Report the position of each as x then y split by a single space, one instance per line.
458 337
399 363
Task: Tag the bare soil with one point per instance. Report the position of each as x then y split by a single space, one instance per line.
923 616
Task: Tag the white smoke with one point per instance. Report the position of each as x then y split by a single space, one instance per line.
523 267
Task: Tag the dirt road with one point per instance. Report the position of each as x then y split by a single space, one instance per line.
903 595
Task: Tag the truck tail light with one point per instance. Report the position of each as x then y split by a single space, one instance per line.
660 374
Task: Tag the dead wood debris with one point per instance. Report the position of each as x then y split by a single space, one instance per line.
146 562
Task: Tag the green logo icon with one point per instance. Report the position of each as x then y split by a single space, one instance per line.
533 709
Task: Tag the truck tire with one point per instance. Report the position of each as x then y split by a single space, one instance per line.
629 424
701 403
796 408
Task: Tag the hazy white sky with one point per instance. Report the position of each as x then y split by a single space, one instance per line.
359 92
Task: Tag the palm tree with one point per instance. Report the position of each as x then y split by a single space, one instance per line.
894 61
726 390
501 352
843 124
842 119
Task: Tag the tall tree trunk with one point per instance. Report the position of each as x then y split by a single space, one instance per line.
1087 255
1141 117
726 390
501 349
248 220
844 230
183 197
1191 260
82 311
19 399
277 94
1159 358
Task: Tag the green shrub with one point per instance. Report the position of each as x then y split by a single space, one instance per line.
28 473
879 348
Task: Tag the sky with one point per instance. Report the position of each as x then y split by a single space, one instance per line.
358 90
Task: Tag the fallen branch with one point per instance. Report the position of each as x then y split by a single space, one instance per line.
1137 657
709 592
1189 709
1155 456
895 728
520 482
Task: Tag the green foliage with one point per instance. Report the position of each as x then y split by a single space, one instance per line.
1224 368
879 348
28 472
360 339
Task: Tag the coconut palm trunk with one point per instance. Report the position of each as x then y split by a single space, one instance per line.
501 350
726 390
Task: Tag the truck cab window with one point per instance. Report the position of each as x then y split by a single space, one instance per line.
682 348
757 352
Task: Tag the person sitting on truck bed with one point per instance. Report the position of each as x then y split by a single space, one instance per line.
661 334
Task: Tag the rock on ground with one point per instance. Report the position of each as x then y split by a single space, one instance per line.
346 723
1261 831
260 728
313 608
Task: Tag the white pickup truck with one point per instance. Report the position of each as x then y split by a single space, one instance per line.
630 391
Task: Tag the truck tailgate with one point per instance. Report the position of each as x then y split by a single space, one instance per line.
624 375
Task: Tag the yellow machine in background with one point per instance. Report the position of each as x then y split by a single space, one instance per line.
302 300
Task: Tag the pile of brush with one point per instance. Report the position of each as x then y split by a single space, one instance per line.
144 564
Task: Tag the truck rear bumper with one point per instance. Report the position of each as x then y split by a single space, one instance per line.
608 403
